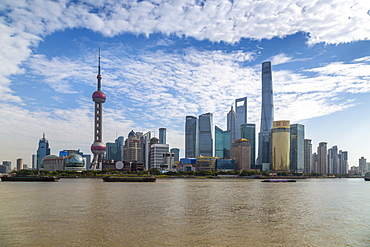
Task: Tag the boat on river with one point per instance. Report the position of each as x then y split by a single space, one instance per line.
29 179
367 176
278 180
128 179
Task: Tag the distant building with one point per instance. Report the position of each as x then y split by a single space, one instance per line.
6 167
206 163
120 142
156 156
314 161
176 153
19 164
248 131
343 162
232 126
145 149
191 137
43 150
187 161
307 156
296 147
222 143
132 149
205 135
241 153
162 136
322 152
333 161
225 165
362 165
280 160
168 162
241 115
112 151
74 162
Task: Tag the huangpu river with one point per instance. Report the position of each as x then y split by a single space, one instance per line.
185 212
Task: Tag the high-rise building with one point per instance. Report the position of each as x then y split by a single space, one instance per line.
333 161
248 131
162 136
267 116
145 149
120 142
307 156
241 114
132 149
280 142
168 161
19 164
191 137
205 134
296 147
231 125
343 162
322 152
241 153
362 167
112 151
176 153
156 156
42 151
222 143
314 161
98 148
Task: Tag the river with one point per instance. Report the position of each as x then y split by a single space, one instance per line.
185 212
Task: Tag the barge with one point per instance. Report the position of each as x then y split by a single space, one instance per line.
30 179
128 179
278 180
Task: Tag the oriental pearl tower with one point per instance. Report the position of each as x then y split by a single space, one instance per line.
98 148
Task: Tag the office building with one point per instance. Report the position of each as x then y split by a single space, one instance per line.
333 161
7 166
343 162
307 156
205 135
241 114
19 164
168 161
222 143
112 151
241 153
145 149
162 135
176 153
322 152
267 116
156 155
191 137
120 142
225 165
42 151
132 149
248 131
206 163
362 165
280 143
314 161
231 125
296 147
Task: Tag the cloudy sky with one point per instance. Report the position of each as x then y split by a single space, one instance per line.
162 60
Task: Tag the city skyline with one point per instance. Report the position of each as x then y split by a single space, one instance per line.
155 72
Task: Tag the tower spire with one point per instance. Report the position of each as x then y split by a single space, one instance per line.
99 75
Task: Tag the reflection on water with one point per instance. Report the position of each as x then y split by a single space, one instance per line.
186 212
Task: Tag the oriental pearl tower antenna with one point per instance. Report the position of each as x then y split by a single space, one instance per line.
98 148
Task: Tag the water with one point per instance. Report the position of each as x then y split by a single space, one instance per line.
186 212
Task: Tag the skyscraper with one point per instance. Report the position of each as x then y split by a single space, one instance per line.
176 153
296 147
241 114
280 141
267 116
112 151
132 149
322 152
248 131
333 161
98 148
205 135
307 156
42 151
19 164
232 126
362 167
241 152
222 143
191 137
120 142
145 149
162 136
343 162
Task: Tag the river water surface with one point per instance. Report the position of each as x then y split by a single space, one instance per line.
185 212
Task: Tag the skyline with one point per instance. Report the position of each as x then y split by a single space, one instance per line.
162 61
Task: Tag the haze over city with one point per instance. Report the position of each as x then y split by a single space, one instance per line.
163 60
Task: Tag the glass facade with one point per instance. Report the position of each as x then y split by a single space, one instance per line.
232 125
162 136
191 137
42 151
280 146
241 114
206 133
222 143
225 165
296 147
248 131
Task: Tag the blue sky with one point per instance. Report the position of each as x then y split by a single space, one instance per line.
163 60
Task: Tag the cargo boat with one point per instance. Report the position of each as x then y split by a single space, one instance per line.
278 180
129 179
30 179
367 176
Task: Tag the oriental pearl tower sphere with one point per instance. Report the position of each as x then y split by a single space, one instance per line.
98 148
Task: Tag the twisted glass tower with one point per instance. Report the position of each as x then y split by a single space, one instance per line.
267 116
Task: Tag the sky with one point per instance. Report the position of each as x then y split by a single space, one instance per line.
162 60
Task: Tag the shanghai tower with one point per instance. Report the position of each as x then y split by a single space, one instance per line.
98 148
267 116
